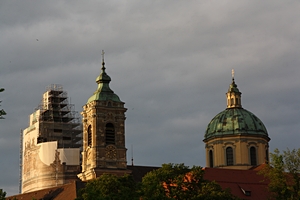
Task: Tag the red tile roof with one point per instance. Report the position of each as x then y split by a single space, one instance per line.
64 192
245 184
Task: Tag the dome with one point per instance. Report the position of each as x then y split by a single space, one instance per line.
235 138
103 92
102 78
235 121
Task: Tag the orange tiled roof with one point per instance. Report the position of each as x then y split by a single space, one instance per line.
245 184
64 192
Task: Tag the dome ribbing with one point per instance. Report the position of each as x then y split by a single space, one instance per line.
235 121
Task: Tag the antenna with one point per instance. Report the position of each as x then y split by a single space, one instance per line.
131 155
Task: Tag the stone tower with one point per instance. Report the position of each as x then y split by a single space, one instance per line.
104 148
235 138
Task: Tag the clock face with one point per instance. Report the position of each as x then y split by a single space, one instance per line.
111 152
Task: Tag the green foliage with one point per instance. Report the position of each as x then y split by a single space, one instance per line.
2 194
179 182
283 174
110 187
2 112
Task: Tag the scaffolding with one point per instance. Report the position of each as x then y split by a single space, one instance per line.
21 161
58 119
50 154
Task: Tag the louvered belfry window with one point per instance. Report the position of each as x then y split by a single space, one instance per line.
110 134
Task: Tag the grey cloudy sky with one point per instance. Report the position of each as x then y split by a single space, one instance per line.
170 61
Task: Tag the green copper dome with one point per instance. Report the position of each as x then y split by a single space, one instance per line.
235 121
103 92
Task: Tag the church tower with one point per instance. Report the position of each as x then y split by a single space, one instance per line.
103 132
235 138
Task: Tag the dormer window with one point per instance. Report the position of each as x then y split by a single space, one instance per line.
245 191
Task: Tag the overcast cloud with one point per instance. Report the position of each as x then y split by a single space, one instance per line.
170 62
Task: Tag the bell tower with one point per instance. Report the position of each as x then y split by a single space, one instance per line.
103 116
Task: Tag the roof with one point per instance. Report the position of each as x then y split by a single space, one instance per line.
138 172
235 121
103 92
64 192
245 184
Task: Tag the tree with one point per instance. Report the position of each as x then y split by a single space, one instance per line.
110 187
179 182
282 172
2 194
2 112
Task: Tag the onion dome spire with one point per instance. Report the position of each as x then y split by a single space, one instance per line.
233 95
103 77
103 92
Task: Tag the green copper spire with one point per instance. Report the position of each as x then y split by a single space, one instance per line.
103 92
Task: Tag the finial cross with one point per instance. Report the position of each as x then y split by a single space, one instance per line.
232 73
103 55
103 63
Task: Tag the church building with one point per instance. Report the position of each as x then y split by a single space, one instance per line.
236 145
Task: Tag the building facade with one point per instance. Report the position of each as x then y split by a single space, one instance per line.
235 138
103 118
51 143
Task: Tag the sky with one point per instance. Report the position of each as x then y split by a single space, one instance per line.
170 62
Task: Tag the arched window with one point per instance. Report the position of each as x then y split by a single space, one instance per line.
229 156
89 136
110 133
253 156
236 101
231 101
211 161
